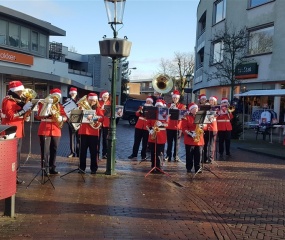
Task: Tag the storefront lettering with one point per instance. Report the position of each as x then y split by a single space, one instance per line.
7 56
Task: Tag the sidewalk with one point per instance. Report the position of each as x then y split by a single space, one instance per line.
241 198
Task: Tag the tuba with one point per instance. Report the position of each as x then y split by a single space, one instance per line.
27 95
162 83
84 105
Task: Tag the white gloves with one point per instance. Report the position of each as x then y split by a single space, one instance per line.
191 134
27 106
151 131
159 123
59 118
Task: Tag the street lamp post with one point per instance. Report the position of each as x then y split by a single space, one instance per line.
189 80
115 48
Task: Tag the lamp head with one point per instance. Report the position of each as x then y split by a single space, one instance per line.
115 11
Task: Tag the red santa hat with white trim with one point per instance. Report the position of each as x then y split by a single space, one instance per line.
160 102
202 96
149 98
224 101
176 93
192 105
15 86
214 98
103 94
73 90
92 96
55 91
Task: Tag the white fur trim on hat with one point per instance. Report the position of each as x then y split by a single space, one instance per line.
149 99
93 98
19 88
105 94
225 101
213 98
193 106
72 92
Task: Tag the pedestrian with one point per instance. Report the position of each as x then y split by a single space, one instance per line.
157 138
141 132
224 128
105 104
13 111
49 131
173 130
193 140
89 136
210 134
73 133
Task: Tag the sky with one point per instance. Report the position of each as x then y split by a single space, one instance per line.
156 28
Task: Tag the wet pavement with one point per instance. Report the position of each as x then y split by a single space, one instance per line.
239 198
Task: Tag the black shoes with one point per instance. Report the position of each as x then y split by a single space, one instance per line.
132 157
93 172
81 171
53 172
104 156
19 181
71 155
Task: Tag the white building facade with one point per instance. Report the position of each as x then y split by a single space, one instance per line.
262 19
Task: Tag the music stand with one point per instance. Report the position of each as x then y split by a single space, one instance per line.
76 117
201 117
151 113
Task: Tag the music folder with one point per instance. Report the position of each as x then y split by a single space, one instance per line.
200 117
76 116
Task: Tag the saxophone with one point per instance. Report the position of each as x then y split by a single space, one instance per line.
198 132
155 131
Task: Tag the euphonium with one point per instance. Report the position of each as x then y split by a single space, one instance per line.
198 132
84 105
27 95
55 109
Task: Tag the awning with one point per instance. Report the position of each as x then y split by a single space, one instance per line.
273 92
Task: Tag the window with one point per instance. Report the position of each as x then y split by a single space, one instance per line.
25 35
43 44
3 32
218 52
219 10
261 41
13 35
35 41
254 3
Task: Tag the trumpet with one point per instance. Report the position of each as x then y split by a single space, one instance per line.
231 108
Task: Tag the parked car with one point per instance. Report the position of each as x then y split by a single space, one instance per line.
130 108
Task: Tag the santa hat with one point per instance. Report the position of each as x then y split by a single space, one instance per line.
55 91
224 101
92 96
103 94
160 102
213 98
15 86
149 99
202 96
176 93
192 105
73 90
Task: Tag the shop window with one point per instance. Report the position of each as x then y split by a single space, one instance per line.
3 32
13 35
25 36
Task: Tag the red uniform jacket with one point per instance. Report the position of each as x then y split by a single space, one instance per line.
175 124
212 127
141 123
9 108
189 125
106 120
48 126
160 131
224 122
87 129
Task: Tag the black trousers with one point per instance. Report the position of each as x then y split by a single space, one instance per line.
49 147
210 145
224 140
91 142
173 136
193 157
141 135
73 140
156 150
103 138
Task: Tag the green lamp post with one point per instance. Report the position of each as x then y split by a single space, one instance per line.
114 48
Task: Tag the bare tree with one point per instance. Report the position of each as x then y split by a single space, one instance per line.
72 49
230 48
177 68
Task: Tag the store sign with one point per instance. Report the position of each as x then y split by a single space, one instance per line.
245 71
14 57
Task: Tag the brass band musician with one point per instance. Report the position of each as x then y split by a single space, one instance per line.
193 140
49 131
13 110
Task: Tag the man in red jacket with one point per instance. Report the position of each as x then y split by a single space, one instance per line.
49 130
13 110
224 128
193 140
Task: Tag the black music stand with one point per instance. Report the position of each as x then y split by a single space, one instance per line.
201 117
76 116
151 113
